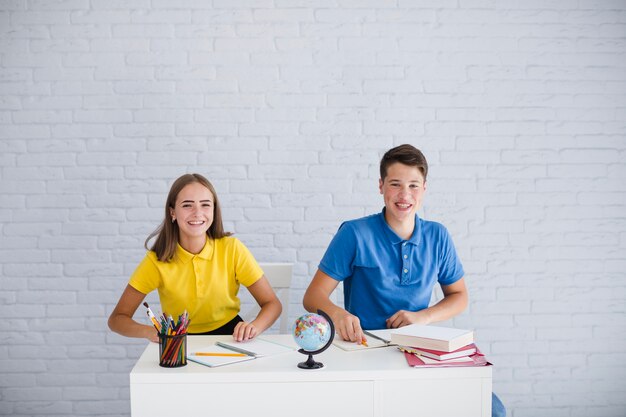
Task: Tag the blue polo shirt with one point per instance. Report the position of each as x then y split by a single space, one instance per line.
382 273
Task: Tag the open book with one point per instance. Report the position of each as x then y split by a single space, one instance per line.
375 339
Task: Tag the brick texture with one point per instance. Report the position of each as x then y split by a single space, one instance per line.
287 106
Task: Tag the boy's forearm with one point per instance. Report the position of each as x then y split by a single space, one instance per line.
451 305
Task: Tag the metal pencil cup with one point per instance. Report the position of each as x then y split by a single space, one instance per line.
172 350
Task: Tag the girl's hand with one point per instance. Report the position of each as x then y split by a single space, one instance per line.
245 331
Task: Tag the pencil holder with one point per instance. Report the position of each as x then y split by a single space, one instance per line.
172 350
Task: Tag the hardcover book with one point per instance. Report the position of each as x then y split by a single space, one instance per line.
441 355
444 339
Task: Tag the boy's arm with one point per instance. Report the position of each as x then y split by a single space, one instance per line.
454 301
317 296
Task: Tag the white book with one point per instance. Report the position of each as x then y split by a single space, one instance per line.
445 339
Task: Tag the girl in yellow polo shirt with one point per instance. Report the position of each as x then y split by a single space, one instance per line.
196 266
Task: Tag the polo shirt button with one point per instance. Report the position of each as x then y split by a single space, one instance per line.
406 270
403 243
406 256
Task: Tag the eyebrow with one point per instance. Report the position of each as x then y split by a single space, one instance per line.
192 201
399 180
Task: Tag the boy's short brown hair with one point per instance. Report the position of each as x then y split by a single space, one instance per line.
405 154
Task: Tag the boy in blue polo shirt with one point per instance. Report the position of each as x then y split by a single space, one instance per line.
390 262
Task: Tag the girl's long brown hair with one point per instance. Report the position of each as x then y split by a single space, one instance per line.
167 233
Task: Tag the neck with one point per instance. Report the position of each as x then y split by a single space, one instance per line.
194 245
403 229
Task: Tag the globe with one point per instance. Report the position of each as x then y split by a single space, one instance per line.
313 333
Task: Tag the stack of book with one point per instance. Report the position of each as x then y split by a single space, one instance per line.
434 346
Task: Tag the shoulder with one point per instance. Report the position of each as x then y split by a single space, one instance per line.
434 230
358 232
362 224
229 243
151 257
148 265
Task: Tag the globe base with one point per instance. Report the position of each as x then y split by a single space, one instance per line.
310 364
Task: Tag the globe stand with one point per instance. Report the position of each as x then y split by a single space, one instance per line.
310 363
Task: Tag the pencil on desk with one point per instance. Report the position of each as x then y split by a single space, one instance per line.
363 342
218 354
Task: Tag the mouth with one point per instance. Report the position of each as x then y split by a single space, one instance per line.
195 222
403 206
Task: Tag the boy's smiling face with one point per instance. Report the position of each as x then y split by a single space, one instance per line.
403 190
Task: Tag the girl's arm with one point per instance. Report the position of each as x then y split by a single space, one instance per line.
121 319
270 310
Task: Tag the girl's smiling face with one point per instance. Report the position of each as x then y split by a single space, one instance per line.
193 212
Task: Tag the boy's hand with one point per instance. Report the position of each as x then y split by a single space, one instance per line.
404 318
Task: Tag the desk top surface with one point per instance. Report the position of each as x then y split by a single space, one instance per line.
339 365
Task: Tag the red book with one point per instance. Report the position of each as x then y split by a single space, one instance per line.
441 355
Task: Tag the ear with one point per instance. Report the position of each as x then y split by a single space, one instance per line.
172 213
380 185
424 186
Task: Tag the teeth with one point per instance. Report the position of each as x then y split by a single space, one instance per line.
197 222
403 205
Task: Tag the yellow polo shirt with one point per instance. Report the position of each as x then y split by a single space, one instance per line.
205 284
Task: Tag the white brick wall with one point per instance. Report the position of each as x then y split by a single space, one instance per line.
287 106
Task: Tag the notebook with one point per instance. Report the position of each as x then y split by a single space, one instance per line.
375 339
257 347
215 355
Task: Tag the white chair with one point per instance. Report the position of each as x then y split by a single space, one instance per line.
279 275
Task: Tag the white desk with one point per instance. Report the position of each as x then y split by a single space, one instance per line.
367 383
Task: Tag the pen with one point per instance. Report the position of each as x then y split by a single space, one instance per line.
376 337
152 318
217 354
409 350
363 342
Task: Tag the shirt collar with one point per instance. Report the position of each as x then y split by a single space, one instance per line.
206 253
394 238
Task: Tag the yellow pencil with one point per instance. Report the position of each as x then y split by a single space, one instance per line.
217 354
